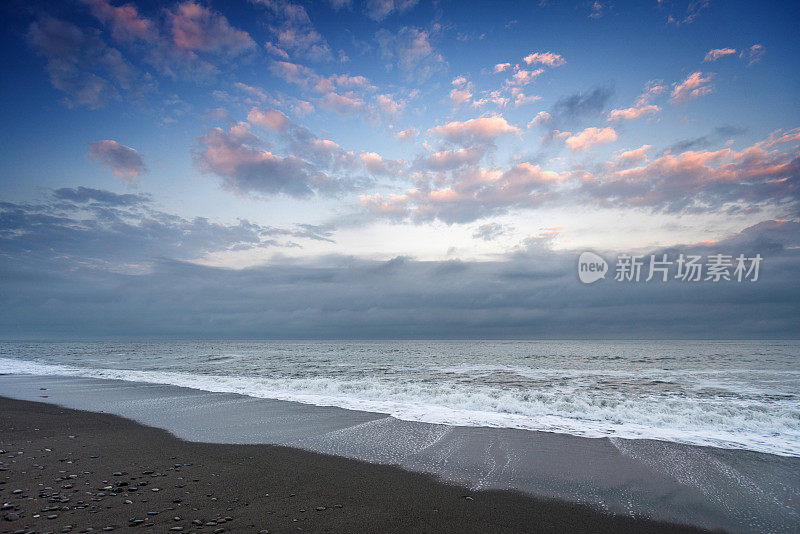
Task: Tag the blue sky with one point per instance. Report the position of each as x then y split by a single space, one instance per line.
233 136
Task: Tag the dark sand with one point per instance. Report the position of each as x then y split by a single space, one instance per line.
64 468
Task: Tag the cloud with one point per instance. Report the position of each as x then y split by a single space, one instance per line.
92 269
470 194
388 105
693 9
270 118
777 137
347 104
597 10
523 77
574 109
294 32
127 25
490 231
633 112
590 136
83 195
480 129
105 230
696 84
500 67
236 156
380 9
702 180
196 28
633 156
451 159
532 294
642 105
461 92
753 54
716 53
81 65
551 59
411 50
125 162
378 165
344 93
407 134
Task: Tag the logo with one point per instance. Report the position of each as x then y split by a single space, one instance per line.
591 267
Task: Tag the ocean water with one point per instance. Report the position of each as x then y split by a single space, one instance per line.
729 394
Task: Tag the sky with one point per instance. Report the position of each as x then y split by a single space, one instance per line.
395 168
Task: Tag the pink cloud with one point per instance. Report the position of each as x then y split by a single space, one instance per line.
270 118
235 155
451 159
696 84
633 112
633 156
197 28
460 95
701 179
388 105
484 129
551 59
500 67
126 23
717 53
778 137
590 136
347 104
125 162
523 77
471 194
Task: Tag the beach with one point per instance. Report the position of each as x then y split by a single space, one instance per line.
386 474
70 471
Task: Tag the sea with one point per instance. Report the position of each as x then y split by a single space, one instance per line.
726 394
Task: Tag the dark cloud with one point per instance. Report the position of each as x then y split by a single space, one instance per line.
85 194
81 65
689 144
531 294
125 162
719 134
490 231
576 108
86 226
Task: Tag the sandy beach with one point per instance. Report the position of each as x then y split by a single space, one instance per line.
73 471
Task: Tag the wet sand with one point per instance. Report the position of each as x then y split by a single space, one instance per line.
70 471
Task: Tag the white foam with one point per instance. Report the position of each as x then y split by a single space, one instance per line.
738 423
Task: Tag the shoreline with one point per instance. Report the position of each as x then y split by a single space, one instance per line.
79 468
740 491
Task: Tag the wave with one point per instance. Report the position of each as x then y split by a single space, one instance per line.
764 424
